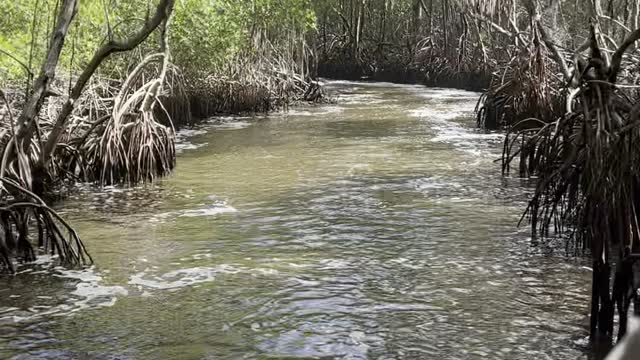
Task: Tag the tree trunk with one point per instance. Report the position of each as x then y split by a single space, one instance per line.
359 14
383 27
636 19
164 8
27 121
430 17
445 27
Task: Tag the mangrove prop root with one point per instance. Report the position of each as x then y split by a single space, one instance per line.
20 212
584 161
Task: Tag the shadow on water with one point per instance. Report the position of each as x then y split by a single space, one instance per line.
376 228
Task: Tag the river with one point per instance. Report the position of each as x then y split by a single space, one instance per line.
378 227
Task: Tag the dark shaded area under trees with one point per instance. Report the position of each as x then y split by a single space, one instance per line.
436 43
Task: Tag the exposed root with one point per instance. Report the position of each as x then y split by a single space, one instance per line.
588 179
22 213
133 147
251 84
526 87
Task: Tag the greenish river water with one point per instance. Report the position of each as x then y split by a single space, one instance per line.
376 228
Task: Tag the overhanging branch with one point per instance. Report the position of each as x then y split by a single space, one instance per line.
164 8
616 60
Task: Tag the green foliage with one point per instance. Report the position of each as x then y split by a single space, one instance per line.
205 34
208 33
26 30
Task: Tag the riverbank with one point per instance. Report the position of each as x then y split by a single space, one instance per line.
115 133
428 75
105 111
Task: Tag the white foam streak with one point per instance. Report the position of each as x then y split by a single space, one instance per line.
180 278
316 111
209 211
229 125
442 118
216 208
89 293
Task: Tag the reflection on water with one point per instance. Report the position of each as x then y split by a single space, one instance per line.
376 228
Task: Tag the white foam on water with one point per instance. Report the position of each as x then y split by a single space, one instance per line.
298 113
89 293
110 189
209 211
229 125
214 123
358 169
331 109
437 114
149 279
317 111
182 146
182 142
228 118
450 94
461 136
434 183
180 278
186 133
217 207
358 84
334 264
359 98
441 118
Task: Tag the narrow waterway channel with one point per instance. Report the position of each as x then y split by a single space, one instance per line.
375 228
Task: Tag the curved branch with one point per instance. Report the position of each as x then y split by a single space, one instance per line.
555 52
499 28
164 8
14 58
616 60
615 21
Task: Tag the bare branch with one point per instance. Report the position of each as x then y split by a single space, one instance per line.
499 28
21 63
557 56
164 8
616 60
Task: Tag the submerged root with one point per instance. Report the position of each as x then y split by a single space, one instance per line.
20 213
22 210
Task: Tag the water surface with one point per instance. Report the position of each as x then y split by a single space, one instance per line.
375 228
